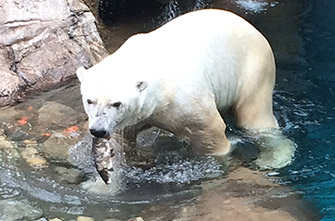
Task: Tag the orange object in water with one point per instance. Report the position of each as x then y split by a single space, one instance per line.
46 134
30 108
23 121
71 129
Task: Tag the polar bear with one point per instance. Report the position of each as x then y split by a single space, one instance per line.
181 76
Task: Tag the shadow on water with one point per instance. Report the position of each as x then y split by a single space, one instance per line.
163 183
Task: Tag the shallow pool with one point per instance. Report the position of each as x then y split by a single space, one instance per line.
40 177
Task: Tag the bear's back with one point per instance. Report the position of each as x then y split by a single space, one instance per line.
208 49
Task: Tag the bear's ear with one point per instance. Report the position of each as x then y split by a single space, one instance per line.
80 73
141 85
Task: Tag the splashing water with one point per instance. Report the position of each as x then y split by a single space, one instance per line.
170 11
255 6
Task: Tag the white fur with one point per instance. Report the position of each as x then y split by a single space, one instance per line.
192 66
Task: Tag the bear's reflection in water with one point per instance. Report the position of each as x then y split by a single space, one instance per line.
233 191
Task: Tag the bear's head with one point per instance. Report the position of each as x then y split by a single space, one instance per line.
111 102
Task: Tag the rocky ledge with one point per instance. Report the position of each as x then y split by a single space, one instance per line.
42 43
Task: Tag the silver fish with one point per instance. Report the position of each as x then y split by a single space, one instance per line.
103 153
108 155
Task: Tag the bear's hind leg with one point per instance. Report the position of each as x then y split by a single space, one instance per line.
276 150
254 110
256 117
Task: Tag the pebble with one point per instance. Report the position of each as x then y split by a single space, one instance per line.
84 218
273 173
9 147
33 142
36 161
5 144
29 151
30 154
136 219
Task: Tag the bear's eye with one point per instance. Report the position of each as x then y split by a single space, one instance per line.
89 101
116 104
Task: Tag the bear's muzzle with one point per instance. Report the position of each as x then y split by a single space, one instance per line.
99 133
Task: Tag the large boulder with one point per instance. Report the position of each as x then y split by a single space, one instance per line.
42 43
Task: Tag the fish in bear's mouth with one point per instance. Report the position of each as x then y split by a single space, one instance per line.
103 153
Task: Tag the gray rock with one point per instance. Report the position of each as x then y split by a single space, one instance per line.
19 135
58 145
69 175
54 113
5 144
14 84
11 210
42 43
11 87
10 114
80 155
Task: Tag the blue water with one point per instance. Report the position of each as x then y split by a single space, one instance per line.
302 33
309 106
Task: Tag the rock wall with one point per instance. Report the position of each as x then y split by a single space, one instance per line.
42 43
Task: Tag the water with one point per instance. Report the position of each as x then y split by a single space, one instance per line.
313 168
304 103
165 183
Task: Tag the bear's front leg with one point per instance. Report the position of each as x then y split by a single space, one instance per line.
206 134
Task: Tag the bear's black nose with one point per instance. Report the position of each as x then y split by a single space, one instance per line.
98 133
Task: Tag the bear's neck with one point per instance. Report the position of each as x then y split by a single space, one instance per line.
153 100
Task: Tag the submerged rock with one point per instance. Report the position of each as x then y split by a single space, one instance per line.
56 114
42 43
5 144
55 219
32 157
36 161
247 195
12 210
136 219
58 145
8 146
69 175
18 134
84 218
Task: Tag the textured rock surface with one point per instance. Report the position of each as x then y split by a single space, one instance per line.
12 210
42 43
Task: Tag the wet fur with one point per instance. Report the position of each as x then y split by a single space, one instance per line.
194 66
